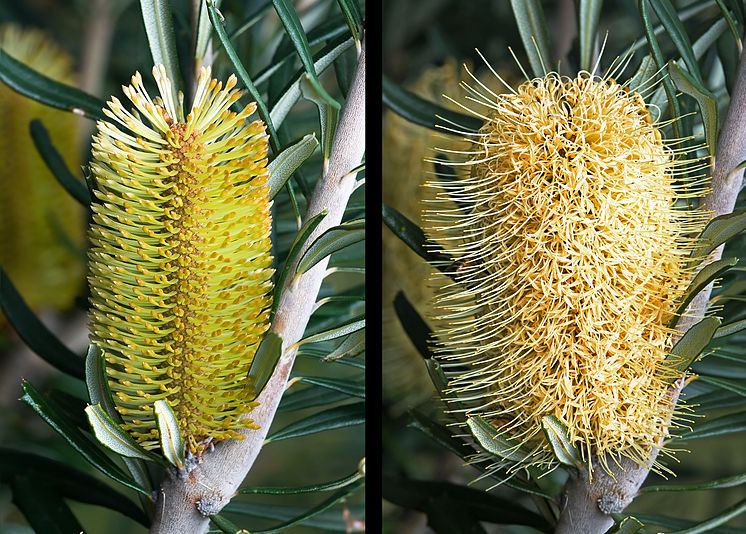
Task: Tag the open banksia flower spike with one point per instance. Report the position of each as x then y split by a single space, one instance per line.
180 257
572 238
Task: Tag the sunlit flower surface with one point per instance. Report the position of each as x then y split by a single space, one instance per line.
569 233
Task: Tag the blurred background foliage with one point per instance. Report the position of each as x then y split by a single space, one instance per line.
105 42
424 43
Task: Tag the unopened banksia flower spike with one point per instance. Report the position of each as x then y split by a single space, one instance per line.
180 257
573 241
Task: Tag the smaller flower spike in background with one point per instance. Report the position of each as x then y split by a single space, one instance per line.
180 257
574 234
42 229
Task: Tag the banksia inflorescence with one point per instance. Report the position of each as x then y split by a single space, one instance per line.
37 215
571 243
180 257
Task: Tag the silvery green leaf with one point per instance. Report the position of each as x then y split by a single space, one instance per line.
692 343
292 94
172 444
558 438
156 15
112 436
288 161
703 278
492 440
265 360
332 240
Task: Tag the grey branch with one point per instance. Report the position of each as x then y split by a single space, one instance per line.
585 504
212 483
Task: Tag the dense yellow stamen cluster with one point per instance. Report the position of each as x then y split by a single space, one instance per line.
180 257
572 249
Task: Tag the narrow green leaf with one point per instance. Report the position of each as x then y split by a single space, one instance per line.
657 520
443 437
298 243
645 72
288 161
322 61
675 29
738 388
45 511
66 482
684 15
416 494
731 21
33 332
34 85
317 517
726 424
717 366
718 231
493 441
726 482
308 398
290 21
417 330
224 524
348 327
337 417
558 438
334 30
328 116
673 102
414 238
353 17
589 12
705 100
343 385
156 16
438 377
420 111
204 30
264 362
691 344
708 38
113 437
529 16
715 521
440 434
75 437
327 486
703 278
332 240
97 382
56 164
730 328
351 346
628 525
172 444
244 76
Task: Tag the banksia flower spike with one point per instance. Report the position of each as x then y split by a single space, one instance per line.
35 210
180 257
570 234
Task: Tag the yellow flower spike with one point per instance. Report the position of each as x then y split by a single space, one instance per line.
35 210
571 233
180 296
